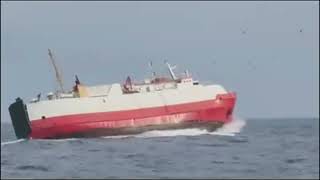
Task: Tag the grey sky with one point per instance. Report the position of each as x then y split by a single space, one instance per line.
253 48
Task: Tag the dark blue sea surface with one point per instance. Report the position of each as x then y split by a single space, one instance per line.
254 148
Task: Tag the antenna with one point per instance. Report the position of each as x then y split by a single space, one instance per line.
58 75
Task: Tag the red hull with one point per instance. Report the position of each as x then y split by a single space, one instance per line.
216 111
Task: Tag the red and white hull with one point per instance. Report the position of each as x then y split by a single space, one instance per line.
106 110
215 111
89 111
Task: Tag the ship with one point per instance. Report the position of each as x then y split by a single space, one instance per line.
156 103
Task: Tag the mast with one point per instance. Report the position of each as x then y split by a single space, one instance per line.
58 75
170 68
151 68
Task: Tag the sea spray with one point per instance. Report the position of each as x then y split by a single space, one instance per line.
231 128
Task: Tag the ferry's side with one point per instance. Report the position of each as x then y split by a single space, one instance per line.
119 113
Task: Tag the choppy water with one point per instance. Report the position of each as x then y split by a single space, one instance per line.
273 148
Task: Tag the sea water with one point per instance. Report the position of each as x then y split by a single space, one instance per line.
253 148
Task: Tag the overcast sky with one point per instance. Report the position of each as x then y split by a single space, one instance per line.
267 52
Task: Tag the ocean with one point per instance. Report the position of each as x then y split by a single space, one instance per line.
252 148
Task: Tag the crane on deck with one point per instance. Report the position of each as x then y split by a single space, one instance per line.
57 73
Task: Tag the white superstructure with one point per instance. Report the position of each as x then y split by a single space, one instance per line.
156 92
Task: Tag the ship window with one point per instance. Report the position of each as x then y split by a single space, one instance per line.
43 117
195 83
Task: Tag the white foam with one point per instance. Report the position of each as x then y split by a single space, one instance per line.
57 140
229 129
222 134
119 137
170 133
12 142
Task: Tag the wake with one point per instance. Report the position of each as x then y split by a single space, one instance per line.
12 142
229 129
